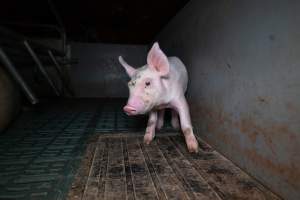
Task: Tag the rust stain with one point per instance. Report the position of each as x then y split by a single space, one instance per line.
291 173
292 108
252 130
270 133
253 136
216 119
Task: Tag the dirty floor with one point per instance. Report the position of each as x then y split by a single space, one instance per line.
120 166
88 149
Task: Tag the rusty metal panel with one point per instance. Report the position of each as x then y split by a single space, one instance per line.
244 90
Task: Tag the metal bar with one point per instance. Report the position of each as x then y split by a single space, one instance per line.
20 38
56 14
58 68
60 30
60 22
15 74
41 67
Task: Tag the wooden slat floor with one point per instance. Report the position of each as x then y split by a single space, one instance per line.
123 167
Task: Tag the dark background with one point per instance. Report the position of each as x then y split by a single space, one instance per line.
114 21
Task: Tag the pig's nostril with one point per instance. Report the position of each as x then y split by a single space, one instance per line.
129 109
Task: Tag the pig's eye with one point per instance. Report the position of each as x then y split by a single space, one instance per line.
147 83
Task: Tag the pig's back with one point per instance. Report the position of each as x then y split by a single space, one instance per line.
178 72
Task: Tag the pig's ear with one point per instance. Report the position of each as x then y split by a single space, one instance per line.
130 70
158 61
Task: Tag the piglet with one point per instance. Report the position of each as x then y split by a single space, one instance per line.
158 85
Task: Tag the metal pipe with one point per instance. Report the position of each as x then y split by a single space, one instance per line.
60 30
58 68
60 22
15 74
18 37
41 67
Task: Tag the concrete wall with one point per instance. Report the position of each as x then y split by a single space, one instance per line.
243 59
98 72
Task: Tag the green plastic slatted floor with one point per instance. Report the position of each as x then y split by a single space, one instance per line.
113 119
40 152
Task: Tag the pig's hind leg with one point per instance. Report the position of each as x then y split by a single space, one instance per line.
150 130
160 119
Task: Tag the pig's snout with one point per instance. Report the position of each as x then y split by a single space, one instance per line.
134 106
129 110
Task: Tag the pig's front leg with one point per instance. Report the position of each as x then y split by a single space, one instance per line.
150 130
185 121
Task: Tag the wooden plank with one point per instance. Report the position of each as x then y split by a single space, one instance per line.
229 181
125 168
115 179
195 185
130 195
142 182
91 188
79 184
167 179
158 186
103 169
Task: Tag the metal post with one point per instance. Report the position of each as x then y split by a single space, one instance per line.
61 31
61 24
15 74
18 37
41 67
58 68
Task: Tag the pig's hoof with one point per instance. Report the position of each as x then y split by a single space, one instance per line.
193 145
148 138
